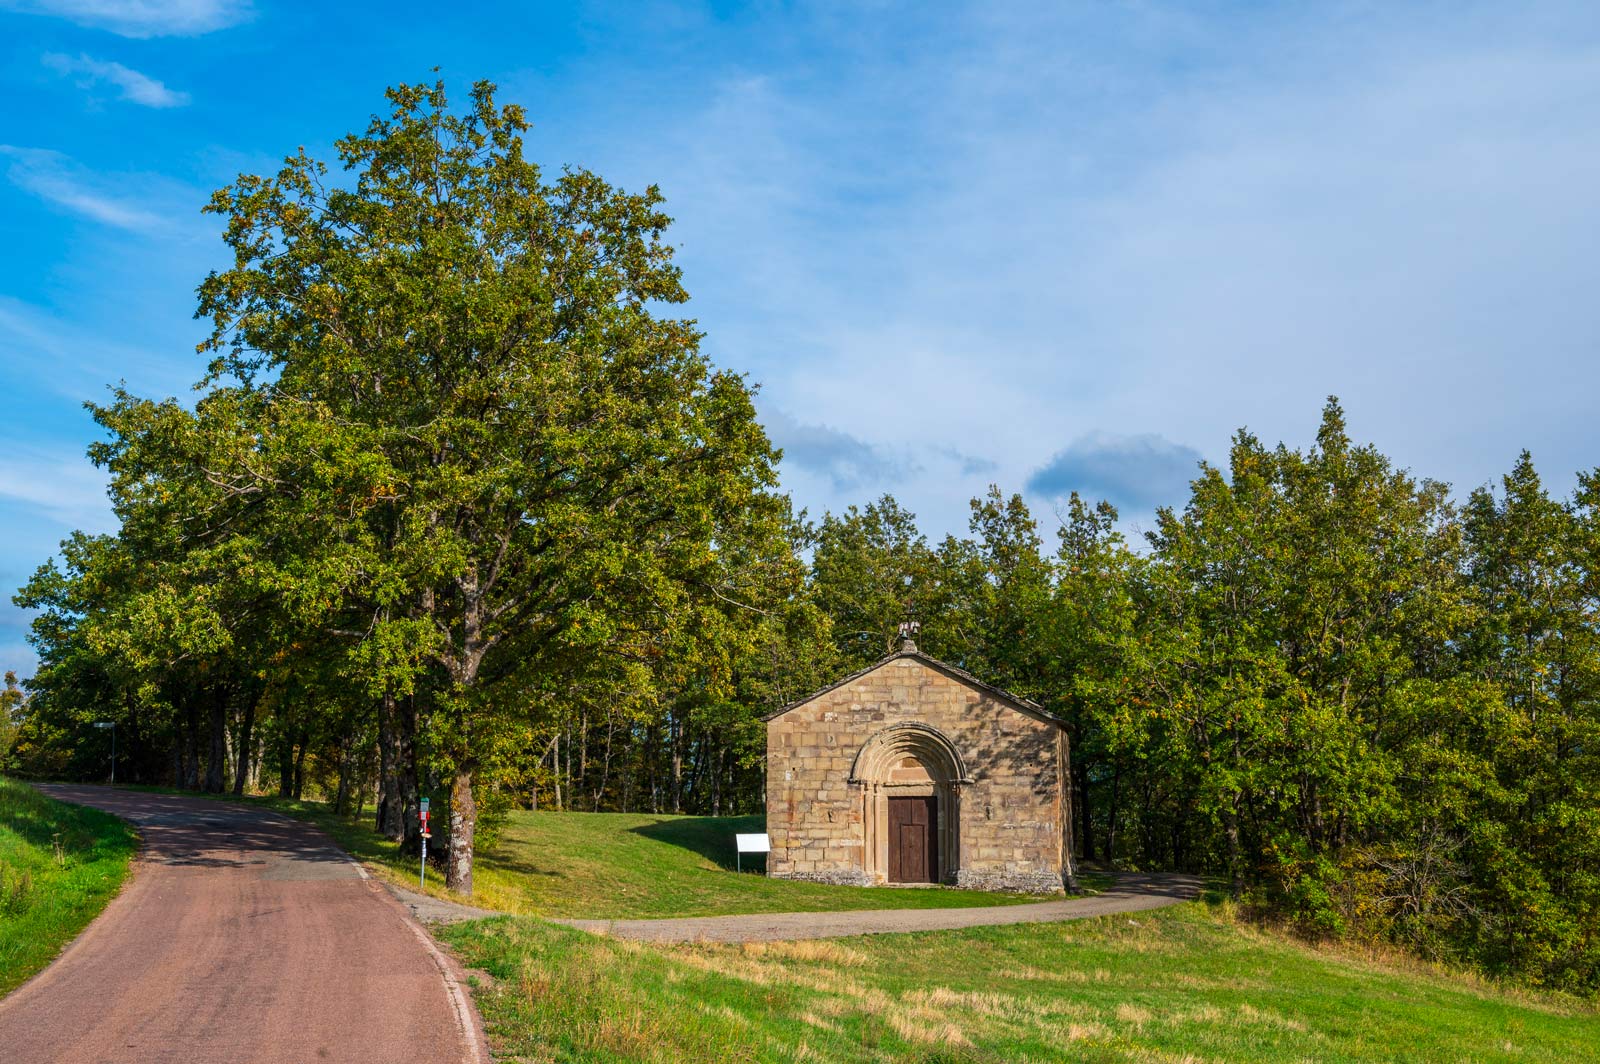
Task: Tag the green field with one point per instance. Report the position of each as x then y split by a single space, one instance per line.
59 865
1183 984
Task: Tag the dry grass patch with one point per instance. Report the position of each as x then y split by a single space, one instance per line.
1211 992
1250 1014
813 951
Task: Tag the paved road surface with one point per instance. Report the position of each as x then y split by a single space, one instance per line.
1132 893
241 937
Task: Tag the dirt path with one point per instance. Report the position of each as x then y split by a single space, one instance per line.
242 936
1132 893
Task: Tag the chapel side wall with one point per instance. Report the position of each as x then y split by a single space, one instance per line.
814 816
1010 826
1011 815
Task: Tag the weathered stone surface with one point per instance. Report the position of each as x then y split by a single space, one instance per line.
1000 825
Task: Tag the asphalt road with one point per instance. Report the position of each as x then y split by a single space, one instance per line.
1131 893
241 937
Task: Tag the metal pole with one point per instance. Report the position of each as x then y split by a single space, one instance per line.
113 753
422 873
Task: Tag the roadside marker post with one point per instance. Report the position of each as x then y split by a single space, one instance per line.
422 873
113 726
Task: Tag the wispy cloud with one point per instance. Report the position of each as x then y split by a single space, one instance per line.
1136 472
136 87
57 179
141 18
838 456
63 487
969 465
72 357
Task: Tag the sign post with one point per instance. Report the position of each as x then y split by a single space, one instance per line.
744 844
113 726
422 873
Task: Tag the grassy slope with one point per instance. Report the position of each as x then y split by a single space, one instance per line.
625 865
45 901
643 865
1185 984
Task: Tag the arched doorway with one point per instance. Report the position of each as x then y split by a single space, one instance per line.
910 777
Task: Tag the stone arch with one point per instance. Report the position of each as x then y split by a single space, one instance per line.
877 756
909 760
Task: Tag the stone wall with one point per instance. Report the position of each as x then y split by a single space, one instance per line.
1007 832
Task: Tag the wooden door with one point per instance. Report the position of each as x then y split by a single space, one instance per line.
913 840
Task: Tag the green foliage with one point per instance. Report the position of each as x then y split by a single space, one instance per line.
448 450
12 704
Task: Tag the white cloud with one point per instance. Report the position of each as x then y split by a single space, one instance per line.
64 488
69 357
147 204
57 179
141 18
136 87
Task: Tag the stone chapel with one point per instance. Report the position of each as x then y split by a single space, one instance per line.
914 771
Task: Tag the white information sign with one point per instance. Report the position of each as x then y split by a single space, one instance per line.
750 844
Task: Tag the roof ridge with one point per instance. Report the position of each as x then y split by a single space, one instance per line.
1025 704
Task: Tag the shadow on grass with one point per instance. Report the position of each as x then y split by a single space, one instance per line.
710 837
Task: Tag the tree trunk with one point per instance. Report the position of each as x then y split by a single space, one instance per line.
300 763
675 736
652 759
258 753
241 766
463 823
555 769
405 775
1235 866
217 755
605 772
191 749
1080 781
341 794
286 764
1111 822
397 772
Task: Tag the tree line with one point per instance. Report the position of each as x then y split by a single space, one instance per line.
460 510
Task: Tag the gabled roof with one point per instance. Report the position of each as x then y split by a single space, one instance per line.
1021 705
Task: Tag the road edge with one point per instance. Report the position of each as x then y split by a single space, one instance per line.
468 1019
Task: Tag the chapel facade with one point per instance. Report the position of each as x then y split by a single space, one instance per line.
914 771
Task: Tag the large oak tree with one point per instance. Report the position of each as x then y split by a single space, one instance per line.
507 465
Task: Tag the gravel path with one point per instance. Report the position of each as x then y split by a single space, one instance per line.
1131 894
430 910
246 937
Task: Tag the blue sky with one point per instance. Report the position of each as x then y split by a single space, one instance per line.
1045 245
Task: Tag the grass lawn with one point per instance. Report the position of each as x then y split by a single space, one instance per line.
59 866
620 865
626 865
1183 984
